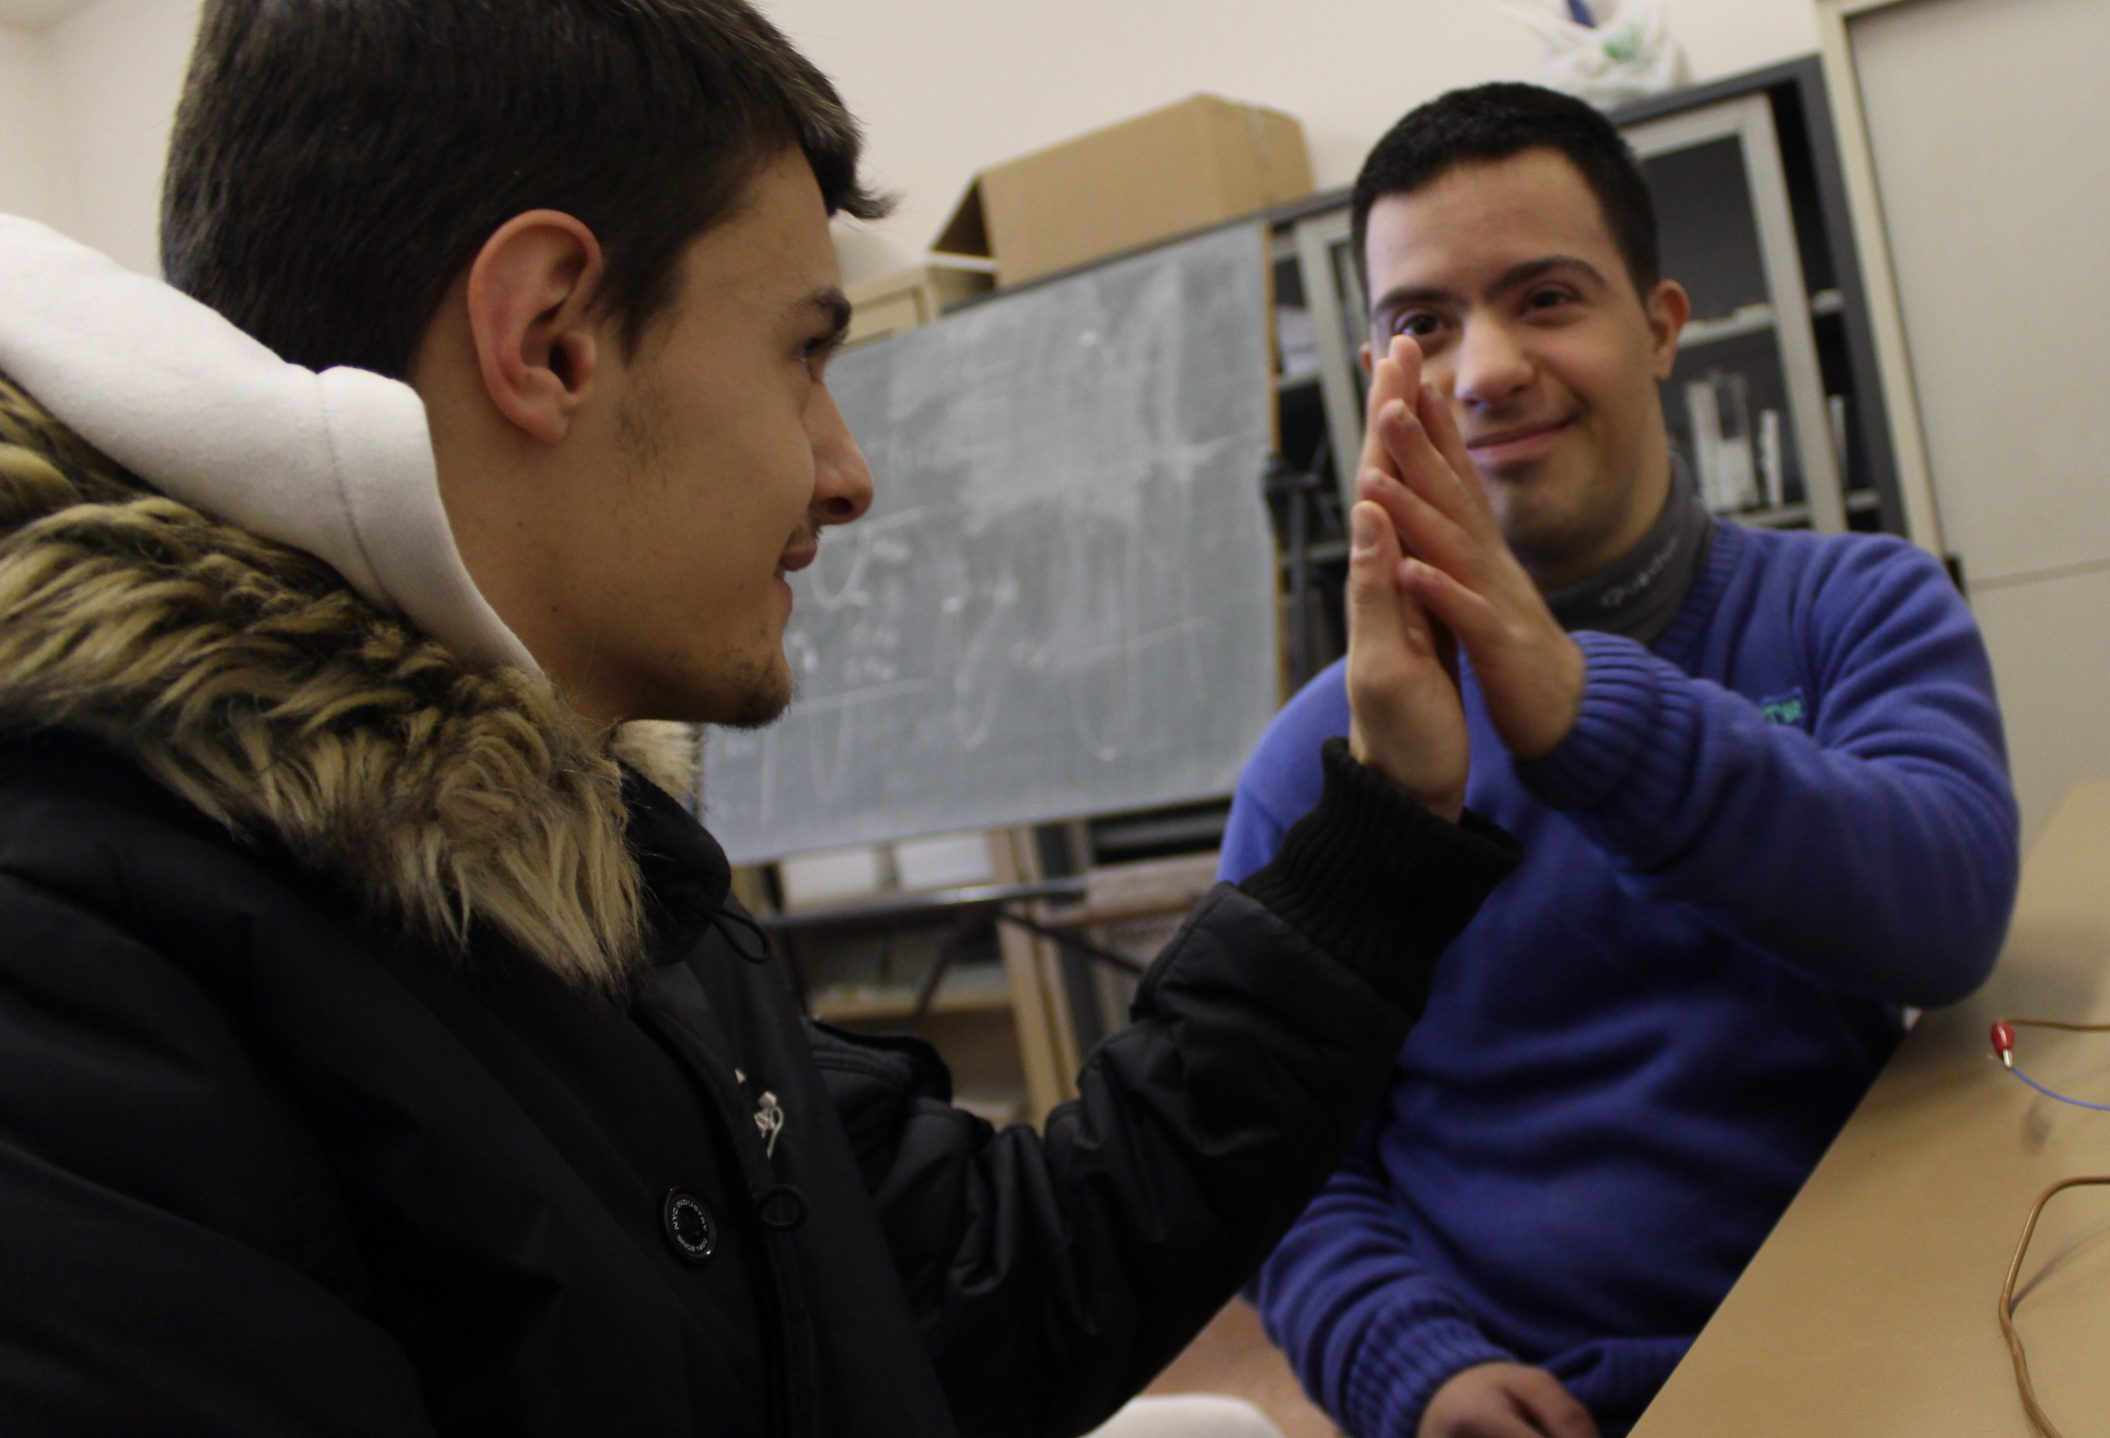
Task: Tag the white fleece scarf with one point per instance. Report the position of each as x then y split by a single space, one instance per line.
338 464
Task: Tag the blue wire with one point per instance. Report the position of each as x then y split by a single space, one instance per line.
2077 1103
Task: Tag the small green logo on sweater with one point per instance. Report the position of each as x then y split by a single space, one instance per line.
1788 708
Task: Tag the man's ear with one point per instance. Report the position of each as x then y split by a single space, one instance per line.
1668 308
531 298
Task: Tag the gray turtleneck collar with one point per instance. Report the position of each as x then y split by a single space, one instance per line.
1638 594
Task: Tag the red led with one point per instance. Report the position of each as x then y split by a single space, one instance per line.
2003 1042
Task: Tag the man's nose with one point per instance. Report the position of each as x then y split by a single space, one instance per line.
1489 367
842 481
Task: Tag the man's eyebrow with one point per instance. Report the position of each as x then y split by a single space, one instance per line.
831 304
1516 276
1523 274
1402 295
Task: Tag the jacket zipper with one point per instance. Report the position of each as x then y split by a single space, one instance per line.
769 1116
792 1413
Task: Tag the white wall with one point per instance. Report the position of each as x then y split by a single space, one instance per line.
2010 402
117 67
946 86
34 15
32 133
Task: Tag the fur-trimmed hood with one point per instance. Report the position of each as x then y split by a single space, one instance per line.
254 681
337 464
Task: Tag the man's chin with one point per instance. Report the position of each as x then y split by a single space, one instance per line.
759 713
761 700
751 697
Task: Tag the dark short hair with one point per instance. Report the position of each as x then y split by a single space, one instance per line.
337 163
1495 122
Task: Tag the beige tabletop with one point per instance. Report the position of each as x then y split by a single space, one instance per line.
1871 1310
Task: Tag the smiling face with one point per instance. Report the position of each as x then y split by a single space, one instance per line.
700 475
1507 276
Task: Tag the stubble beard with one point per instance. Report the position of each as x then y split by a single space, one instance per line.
1534 530
757 689
761 690
1550 522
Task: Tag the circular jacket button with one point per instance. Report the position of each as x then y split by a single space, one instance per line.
690 1228
782 1208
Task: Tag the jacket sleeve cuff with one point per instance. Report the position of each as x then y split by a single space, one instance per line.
1400 1363
1371 877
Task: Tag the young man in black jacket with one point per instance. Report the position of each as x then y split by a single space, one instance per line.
380 1048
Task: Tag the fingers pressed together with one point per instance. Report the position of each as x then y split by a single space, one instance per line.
1456 564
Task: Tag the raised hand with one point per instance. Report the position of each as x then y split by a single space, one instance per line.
1416 467
1405 717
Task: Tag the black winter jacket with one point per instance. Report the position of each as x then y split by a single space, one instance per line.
313 1119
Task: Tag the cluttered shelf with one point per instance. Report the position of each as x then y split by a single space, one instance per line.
1749 320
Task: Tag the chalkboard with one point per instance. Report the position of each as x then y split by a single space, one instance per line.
1063 599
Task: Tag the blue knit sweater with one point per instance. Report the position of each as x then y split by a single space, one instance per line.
1759 841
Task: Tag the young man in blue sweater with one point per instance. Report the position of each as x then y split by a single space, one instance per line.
1759 779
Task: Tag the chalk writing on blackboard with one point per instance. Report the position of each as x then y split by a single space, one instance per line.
1063 599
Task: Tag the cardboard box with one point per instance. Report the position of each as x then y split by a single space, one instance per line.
901 301
1188 165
